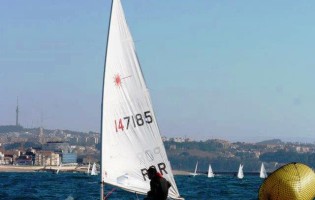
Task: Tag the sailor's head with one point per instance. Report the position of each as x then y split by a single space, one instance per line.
151 172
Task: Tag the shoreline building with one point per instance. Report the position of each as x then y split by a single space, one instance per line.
47 158
66 155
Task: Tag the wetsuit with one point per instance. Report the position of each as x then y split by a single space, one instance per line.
159 188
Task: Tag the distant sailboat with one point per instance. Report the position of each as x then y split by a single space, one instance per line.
240 173
195 172
263 173
130 136
210 172
58 168
93 171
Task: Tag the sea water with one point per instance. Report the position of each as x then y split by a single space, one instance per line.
79 186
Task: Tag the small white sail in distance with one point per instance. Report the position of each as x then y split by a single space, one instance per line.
195 172
240 173
210 172
130 137
263 173
94 171
58 168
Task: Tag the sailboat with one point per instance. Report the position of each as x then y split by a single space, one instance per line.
57 172
210 172
195 172
240 173
130 136
263 173
93 171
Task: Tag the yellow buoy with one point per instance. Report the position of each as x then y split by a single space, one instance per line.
294 181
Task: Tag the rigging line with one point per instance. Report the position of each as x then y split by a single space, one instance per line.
102 112
108 194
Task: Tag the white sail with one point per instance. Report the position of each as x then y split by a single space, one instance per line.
94 171
263 173
210 172
58 168
196 167
195 172
131 140
240 173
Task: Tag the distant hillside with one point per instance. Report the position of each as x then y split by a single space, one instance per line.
10 128
20 129
270 142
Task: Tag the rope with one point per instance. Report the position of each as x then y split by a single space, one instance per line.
108 194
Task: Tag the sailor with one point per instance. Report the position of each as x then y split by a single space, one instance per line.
158 185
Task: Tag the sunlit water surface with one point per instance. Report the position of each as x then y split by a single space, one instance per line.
79 186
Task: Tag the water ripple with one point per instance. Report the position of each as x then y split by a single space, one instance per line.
77 186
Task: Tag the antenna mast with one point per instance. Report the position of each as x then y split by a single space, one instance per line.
17 112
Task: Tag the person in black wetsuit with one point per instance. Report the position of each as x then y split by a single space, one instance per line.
158 186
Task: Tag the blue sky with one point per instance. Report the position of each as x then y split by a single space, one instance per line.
234 70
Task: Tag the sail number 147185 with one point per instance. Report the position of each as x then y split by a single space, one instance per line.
133 120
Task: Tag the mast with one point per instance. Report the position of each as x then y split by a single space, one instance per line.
101 131
17 112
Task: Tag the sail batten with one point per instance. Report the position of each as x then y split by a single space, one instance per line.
131 140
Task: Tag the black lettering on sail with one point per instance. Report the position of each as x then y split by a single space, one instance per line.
144 173
162 167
